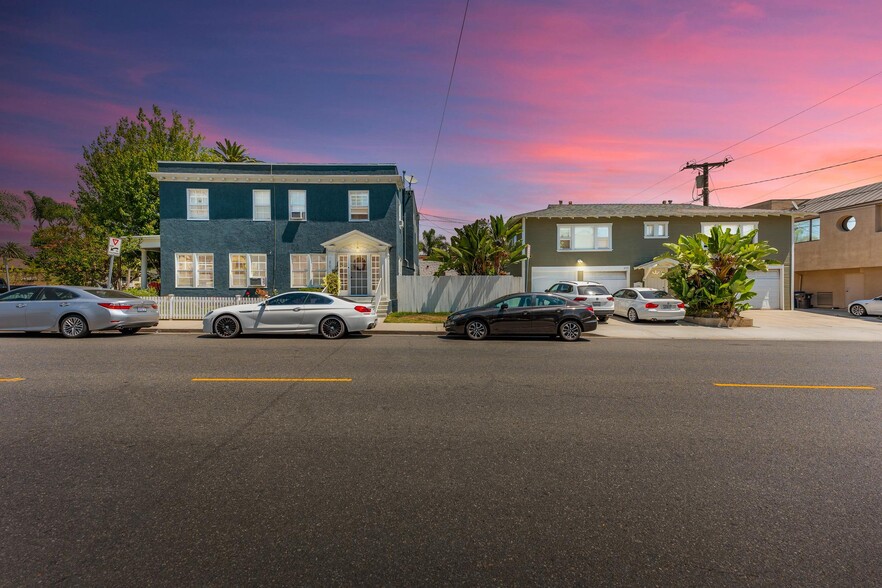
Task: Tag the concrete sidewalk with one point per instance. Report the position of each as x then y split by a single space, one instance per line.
770 325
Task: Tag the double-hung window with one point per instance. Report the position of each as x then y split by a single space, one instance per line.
247 269
587 237
807 230
742 228
297 205
308 270
359 205
261 205
655 230
197 204
194 270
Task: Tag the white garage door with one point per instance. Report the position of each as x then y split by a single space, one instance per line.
613 279
768 290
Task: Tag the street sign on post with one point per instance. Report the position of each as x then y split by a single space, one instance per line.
113 246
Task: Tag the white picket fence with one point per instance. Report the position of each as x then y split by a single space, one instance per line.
191 307
447 293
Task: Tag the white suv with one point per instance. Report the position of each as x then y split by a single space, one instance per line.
592 294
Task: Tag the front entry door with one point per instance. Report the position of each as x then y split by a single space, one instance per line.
358 275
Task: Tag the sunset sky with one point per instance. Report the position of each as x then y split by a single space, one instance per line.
556 100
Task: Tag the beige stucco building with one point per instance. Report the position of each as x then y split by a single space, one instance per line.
838 246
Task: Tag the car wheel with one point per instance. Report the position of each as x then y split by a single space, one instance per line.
227 327
130 330
476 330
570 331
857 310
332 328
632 315
73 326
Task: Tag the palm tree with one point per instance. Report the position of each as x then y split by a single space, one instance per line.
483 248
45 210
12 209
9 251
431 241
232 152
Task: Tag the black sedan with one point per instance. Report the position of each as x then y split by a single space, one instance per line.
529 313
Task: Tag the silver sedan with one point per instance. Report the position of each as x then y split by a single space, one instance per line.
75 311
648 304
873 306
309 313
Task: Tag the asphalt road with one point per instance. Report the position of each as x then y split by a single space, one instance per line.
418 460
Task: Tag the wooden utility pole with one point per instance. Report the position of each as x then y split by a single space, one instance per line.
703 179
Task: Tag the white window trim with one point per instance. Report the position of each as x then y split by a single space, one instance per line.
654 224
309 270
291 208
706 226
368 206
195 271
573 236
254 206
248 271
207 202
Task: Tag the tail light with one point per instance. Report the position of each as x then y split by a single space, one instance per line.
115 306
364 309
651 305
591 308
610 298
579 299
153 306
681 305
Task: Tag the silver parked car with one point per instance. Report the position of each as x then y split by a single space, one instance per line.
872 306
648 304
593 294
75 311
292 312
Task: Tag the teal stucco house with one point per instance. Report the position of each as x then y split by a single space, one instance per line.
228 228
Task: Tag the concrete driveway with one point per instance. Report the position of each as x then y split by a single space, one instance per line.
780 325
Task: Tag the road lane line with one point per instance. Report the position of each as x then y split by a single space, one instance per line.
11 379
271 379
795 386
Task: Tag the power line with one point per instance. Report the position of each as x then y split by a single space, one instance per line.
800 173
810 132
446 99
789 118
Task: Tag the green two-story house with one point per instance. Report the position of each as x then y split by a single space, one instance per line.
616 244
230 228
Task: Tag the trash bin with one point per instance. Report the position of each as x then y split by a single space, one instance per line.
802 299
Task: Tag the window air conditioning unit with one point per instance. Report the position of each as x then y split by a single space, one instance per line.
257 281
296 215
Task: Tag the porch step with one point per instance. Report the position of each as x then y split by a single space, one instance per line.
382 307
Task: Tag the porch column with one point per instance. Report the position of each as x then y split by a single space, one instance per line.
144 269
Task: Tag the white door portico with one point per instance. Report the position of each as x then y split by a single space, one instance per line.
361 262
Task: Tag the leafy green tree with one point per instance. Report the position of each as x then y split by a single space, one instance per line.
483 248
115 195
66 254
711 271
9 251
12 209
431 241
231 152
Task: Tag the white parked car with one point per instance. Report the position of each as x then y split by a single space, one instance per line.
310 313
648 304
864 307
593 294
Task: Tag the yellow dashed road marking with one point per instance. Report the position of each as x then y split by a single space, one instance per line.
11 379
796 386
272 379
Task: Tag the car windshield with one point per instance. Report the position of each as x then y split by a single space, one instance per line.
109 293
593 291
655 294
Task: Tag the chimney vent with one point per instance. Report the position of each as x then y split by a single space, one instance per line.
560 202
571 202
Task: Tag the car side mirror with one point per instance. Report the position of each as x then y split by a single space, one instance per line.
503 307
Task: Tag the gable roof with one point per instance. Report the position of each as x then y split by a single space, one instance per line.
862 195
646 211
